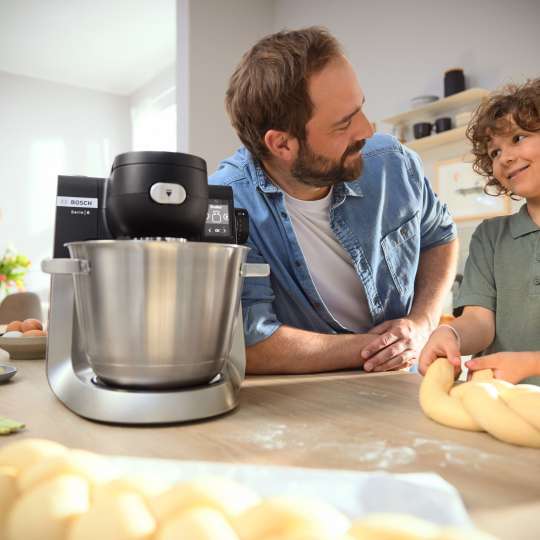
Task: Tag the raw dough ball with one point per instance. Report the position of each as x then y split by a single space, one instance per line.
393 527
45 512
197 523
222 494
77 462
24 453
277 516
115 516
8 492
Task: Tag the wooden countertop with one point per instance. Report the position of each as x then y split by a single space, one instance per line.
343 420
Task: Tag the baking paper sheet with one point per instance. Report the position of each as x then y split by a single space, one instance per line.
424 495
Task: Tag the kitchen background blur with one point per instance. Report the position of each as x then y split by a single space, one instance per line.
82 81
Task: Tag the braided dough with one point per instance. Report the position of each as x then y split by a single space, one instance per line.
48 492
508 412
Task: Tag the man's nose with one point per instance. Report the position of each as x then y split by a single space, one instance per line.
365 128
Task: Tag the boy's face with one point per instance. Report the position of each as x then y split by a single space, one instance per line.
515 155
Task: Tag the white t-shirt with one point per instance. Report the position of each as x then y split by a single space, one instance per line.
330 266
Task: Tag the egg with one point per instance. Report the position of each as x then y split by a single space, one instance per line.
30 324
13 333
30 333
14 325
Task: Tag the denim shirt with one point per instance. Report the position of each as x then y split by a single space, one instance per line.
383 220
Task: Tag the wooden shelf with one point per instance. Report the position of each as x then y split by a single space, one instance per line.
452 135
444 105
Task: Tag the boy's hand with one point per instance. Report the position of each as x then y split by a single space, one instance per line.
442 343
505 366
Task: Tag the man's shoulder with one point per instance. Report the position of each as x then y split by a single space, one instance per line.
385 147
234 170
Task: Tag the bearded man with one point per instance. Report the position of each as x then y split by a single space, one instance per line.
361 251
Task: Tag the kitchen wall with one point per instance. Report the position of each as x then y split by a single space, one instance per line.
47 129
212 36
401 49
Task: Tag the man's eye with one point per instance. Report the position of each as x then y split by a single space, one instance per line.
344 127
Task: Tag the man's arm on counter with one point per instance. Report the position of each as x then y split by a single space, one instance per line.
404 338
291 350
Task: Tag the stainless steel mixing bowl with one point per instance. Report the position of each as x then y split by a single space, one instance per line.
157 313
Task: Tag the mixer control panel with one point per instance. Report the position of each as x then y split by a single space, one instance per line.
217 218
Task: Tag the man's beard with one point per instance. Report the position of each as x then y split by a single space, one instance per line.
319 171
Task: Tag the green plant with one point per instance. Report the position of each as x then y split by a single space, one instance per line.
13 268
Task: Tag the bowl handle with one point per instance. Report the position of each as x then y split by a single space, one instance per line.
255 270
65 266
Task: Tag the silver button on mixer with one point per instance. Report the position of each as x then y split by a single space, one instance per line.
165 193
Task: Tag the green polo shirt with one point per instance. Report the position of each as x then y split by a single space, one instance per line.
502 274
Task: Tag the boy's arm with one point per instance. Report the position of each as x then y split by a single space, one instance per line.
469 334
476 329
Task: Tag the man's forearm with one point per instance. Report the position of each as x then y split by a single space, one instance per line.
291 350
436 273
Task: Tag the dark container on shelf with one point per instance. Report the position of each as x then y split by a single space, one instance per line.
454 81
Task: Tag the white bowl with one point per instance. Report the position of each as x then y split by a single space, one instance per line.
420 101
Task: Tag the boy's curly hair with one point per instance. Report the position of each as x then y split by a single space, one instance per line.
519 104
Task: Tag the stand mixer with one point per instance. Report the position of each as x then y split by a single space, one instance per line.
145 322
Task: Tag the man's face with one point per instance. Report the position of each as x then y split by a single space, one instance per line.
336 132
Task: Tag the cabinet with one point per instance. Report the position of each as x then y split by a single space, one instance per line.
462 101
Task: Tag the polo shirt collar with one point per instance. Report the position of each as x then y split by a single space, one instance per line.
521 223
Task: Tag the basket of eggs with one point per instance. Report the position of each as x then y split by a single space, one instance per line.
24 340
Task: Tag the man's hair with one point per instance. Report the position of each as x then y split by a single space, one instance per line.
517 103
269 88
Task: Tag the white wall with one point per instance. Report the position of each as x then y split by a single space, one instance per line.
402 49
153 113
47 129
212 36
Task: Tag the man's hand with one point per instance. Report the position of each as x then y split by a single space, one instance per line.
507 366
398 345
442 342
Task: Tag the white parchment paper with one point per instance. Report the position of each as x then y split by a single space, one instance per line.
424 495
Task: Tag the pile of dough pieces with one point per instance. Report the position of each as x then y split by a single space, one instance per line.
509 412
48 492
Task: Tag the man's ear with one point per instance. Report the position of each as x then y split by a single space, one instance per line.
281 145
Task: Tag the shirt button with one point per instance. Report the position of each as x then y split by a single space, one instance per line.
297 263
284 215
537 280
317 305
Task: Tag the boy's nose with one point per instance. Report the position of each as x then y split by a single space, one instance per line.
507 156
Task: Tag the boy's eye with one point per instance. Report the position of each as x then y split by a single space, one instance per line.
494 153
518 138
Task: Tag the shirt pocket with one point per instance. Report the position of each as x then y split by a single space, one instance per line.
401 249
